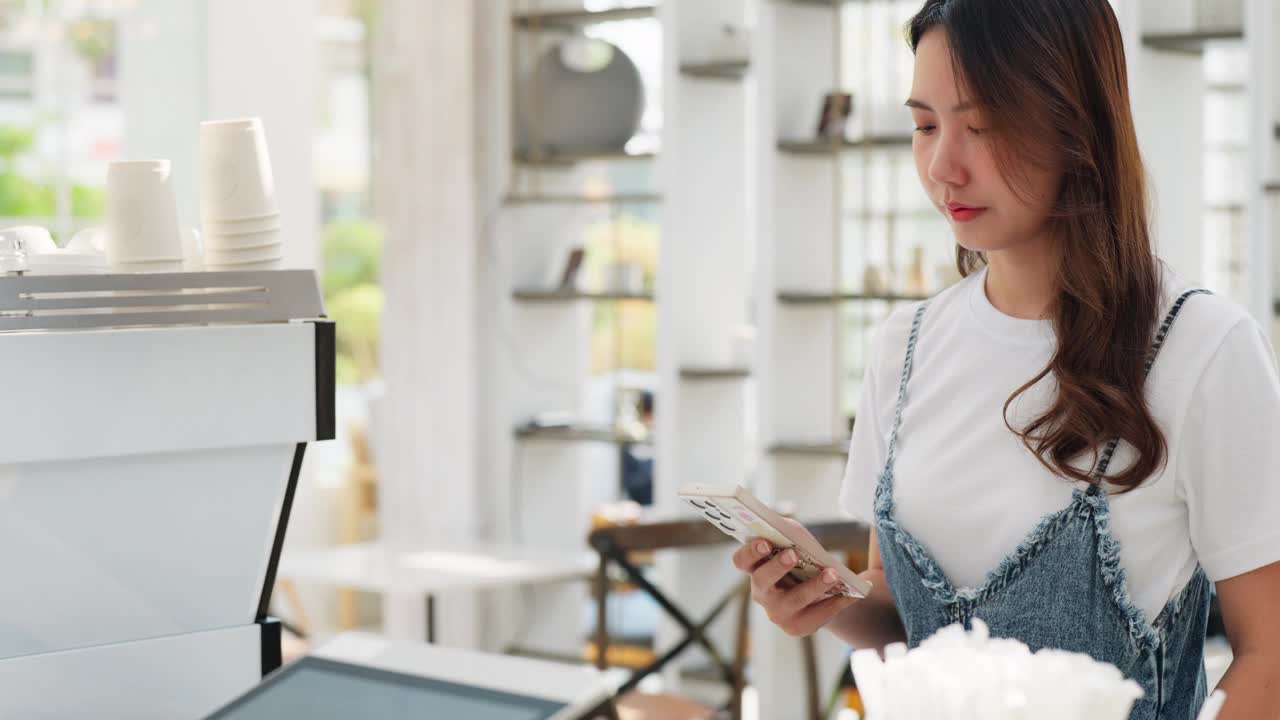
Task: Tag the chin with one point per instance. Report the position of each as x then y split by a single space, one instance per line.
971 238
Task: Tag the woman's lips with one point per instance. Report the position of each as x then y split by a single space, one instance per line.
963 213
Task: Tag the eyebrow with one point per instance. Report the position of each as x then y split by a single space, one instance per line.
966 105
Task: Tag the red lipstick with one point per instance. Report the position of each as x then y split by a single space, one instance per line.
964 213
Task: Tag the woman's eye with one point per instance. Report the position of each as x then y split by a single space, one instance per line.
924 129
978 131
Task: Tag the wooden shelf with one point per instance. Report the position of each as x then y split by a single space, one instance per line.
816 448
720 70
553 156
1271 187
794 297
818 146
572 20
1190 43
714 373
579 433
566 199
554 296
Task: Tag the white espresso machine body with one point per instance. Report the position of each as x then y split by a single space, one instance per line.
156 429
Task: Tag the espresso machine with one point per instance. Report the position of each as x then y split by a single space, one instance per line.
154 431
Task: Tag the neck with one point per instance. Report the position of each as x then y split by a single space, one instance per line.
1020 280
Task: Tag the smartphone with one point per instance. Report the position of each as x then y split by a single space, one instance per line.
743 516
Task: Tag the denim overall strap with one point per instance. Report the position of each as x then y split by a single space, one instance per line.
1110 449
906 377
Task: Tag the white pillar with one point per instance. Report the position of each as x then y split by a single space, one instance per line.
425 184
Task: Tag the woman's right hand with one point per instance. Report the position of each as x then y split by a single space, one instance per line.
799 609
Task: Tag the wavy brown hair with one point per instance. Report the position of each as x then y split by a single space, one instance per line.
1050 79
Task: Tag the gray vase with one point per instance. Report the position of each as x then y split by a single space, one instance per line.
593 107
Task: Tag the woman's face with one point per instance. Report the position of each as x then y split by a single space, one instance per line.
957 166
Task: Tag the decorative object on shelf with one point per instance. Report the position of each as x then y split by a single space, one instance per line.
917 281
582 95
836 109
572 266
875 280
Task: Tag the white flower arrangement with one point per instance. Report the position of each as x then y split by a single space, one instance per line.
969 674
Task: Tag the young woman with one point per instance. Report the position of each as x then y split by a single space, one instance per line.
1070 443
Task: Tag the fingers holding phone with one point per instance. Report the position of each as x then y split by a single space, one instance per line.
798 608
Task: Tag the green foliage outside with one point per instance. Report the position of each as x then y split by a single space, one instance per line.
352 295
23 196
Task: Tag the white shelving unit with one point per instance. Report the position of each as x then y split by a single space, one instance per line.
703 289
799 283
556 476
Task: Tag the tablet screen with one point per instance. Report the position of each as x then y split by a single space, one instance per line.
320 689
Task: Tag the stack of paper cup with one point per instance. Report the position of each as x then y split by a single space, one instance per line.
237 197
142 218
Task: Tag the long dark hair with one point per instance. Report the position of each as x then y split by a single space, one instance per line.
1050 77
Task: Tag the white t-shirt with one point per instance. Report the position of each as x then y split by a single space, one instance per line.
968 489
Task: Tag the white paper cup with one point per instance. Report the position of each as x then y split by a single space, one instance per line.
147 267
235 171
220 243
237 257
142 216
242 227
243 267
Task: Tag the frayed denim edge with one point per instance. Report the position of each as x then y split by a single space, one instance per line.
1113 575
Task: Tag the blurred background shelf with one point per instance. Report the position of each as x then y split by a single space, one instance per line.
559 296
1190 43
584 432
714 373
836 447
581 199
571 157
574 20
798 297
827 147
718 70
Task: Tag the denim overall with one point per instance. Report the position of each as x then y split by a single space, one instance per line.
1062 587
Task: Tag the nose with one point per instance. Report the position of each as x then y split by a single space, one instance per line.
947 166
